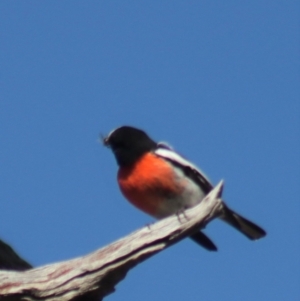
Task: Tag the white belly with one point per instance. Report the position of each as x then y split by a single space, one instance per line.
191 196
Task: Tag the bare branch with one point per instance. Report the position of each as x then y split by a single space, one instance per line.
95 275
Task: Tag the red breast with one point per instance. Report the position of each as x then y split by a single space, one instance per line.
148 183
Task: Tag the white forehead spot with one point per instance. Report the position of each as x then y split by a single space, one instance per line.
111 132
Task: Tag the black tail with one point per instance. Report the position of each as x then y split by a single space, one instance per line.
204 241
240 223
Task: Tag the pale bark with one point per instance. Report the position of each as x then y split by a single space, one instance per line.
95 275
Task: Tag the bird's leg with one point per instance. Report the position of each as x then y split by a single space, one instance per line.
182 211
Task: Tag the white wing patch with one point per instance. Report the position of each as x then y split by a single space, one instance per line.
164 145
165 151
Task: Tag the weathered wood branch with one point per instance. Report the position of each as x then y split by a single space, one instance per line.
95 275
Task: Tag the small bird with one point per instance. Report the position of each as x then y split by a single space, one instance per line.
160 182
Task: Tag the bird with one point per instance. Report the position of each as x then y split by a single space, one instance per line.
160 182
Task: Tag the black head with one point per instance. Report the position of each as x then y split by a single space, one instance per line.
128 144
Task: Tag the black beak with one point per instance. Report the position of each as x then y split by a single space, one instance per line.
104 140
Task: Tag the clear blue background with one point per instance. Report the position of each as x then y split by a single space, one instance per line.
219 80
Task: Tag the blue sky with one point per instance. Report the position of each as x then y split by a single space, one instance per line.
218 80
